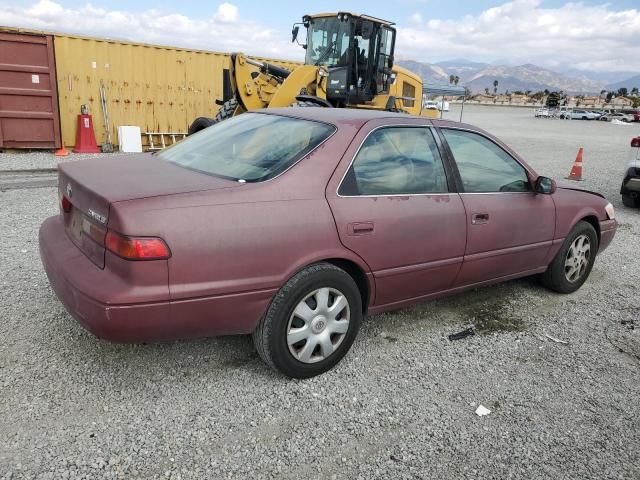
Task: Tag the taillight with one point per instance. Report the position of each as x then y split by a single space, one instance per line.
137 248
65 203
635 142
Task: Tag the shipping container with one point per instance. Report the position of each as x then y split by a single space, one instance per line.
28 100
157 88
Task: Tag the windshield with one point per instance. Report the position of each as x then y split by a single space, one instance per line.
328 42
251 147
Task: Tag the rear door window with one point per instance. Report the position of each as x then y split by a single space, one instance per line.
485 167
396 161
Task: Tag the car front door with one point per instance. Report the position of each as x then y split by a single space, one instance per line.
510 228
392 204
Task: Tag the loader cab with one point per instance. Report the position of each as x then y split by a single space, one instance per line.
357 52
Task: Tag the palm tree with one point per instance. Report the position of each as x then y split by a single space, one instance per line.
486 90
495 86
451 79
456 79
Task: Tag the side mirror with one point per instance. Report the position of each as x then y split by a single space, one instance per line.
294 33
545 185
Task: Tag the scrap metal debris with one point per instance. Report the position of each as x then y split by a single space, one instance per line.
557 340
463 334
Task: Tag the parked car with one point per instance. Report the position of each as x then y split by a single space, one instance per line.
630 189
543 112
582 115
430 105
291 224
623 117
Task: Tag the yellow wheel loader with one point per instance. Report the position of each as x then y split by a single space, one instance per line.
348 64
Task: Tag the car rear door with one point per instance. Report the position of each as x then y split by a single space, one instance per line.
509 227
393 206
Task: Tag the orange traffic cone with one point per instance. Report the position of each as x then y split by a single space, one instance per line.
61 152
576 170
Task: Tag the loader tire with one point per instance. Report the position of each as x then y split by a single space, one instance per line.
227 110
200 123
306 103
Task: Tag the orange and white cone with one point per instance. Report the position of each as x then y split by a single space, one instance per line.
576 170
61 152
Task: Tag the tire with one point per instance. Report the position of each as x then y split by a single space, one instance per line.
306 104
200 123
306 357
558 276
629 201
227 110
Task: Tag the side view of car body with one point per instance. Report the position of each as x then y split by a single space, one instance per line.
582 115
291 224
630 189
623 117
543 112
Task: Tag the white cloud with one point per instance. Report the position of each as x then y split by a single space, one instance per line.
592 37
416 18
522 31
227 13
220 30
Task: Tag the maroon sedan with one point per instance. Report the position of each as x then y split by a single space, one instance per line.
291 224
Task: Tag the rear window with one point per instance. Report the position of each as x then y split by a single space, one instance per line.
251 147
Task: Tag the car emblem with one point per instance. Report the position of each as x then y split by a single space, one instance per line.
97 216
69 190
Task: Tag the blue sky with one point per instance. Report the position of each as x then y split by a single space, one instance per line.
587 35
284 12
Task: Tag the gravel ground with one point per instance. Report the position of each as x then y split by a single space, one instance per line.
400 405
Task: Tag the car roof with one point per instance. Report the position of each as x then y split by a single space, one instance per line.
358 117
335 115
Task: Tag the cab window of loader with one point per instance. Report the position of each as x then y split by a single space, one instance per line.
328 42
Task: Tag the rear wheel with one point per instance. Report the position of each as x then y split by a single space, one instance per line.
629 201
200 123
573 263
311 323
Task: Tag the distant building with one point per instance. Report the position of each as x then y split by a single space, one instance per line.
620 102
482 98
591 101
518 99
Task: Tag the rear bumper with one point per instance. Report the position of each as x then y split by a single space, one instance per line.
72 275
607 232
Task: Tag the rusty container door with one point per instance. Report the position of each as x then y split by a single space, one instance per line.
28 93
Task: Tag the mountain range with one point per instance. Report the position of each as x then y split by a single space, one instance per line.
478 76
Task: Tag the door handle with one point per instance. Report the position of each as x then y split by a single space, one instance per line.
479 218
360 228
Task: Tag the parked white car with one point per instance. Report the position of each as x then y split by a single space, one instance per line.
577 114
623 117
630 189
543 112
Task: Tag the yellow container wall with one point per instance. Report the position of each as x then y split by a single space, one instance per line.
159 89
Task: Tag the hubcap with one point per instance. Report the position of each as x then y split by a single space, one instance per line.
578 257
318 325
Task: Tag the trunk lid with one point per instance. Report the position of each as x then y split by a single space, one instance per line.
91 186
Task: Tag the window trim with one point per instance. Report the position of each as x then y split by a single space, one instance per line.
454 164
438 143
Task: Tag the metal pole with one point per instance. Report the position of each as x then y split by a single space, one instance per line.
464 97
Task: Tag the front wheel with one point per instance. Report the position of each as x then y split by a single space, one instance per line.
311 323
573 263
